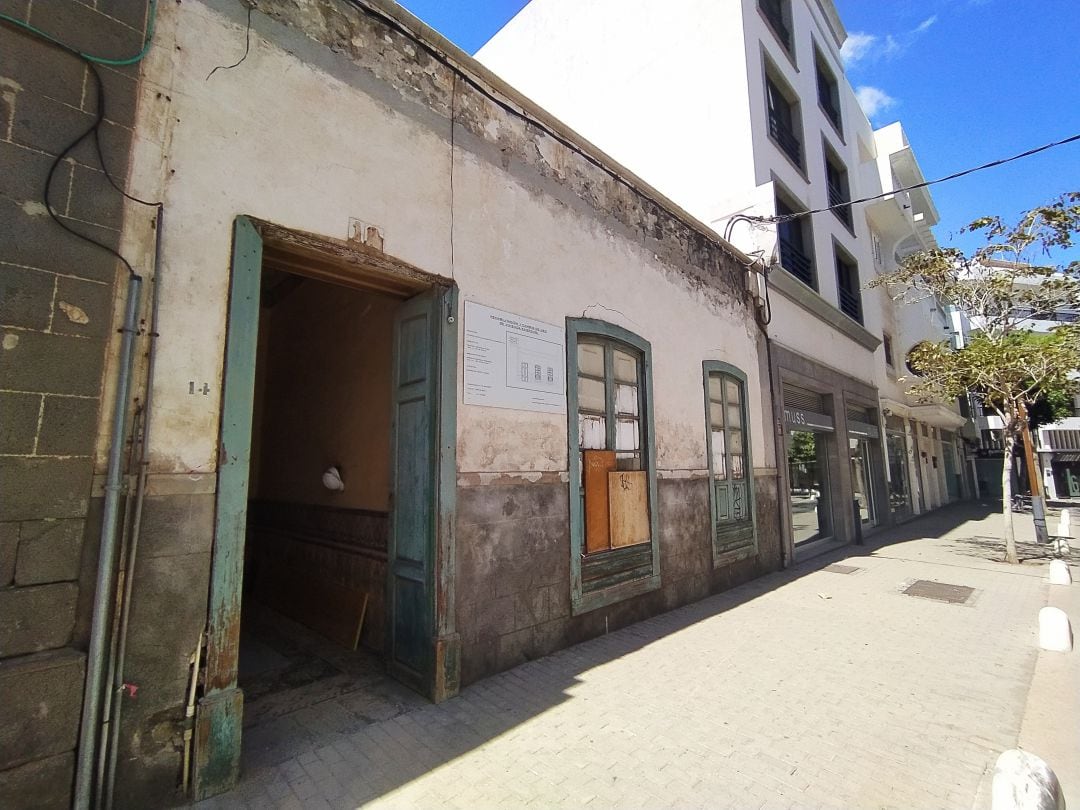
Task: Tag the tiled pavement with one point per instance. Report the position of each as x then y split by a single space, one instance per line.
807 688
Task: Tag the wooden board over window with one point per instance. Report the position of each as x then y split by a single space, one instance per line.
628 498
598 464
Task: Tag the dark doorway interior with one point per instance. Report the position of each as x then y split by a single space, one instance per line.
314 604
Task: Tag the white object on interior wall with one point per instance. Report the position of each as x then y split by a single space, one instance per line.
331 479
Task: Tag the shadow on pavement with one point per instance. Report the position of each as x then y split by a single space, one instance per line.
358 747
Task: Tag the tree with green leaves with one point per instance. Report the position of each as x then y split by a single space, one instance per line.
1000 289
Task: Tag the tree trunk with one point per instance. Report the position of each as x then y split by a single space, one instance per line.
1006 495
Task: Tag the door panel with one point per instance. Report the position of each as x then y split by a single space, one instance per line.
412 480
414 470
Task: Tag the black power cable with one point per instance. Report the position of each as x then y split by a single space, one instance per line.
522 114
94 130
774 220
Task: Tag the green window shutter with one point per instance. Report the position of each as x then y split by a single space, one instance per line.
731 471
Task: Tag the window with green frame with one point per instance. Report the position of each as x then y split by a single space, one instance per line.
615 551
731 473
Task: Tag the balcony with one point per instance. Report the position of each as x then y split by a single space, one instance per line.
796 262
785 138
837 197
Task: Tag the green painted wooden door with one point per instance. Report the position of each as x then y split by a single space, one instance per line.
414 476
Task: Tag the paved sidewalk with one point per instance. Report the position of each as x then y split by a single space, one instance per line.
806 688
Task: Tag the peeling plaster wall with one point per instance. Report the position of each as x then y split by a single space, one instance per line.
332 117
547 237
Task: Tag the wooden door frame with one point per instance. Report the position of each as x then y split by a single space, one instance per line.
218 720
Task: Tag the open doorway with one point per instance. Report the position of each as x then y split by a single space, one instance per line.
335 487
318 519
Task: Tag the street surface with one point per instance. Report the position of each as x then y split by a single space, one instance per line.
807 688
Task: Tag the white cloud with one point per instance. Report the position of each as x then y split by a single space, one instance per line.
863 47
874 100
857 47
926 24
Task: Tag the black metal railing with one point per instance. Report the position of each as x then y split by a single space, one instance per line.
796 262
774 13
838 198
785 138
850 304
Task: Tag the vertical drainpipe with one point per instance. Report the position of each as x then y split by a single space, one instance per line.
106 575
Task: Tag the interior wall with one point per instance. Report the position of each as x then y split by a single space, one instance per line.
323 397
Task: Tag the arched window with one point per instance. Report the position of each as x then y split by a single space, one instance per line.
731 474
613 526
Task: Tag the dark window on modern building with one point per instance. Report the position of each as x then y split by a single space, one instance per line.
796 250
615 550
784 120
836 180
778 15
828 91
847 283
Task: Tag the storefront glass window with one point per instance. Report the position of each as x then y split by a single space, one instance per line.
860 479
808 478
899 492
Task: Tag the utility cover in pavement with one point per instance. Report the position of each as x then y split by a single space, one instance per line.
840 568
939 591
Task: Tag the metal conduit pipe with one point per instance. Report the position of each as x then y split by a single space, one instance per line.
110 754
114 625
103 592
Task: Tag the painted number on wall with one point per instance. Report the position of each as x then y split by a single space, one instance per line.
204 389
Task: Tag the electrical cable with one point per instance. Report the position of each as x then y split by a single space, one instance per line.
247 49
772 220
100 60
93 130
777 219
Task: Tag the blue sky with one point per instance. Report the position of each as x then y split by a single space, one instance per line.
971 80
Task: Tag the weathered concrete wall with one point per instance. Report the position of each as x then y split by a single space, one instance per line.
514 574
606 251
357 124
56 314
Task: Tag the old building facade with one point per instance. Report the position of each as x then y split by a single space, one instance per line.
395 355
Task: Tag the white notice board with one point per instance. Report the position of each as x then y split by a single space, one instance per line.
513 362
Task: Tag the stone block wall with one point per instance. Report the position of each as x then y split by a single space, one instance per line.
513 552
56 303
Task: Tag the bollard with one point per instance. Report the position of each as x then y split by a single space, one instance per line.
1064 528
1055 633
1022 781
1060 573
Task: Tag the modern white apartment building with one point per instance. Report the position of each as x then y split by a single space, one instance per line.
739 110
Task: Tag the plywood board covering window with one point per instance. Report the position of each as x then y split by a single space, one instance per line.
609 434
615 552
